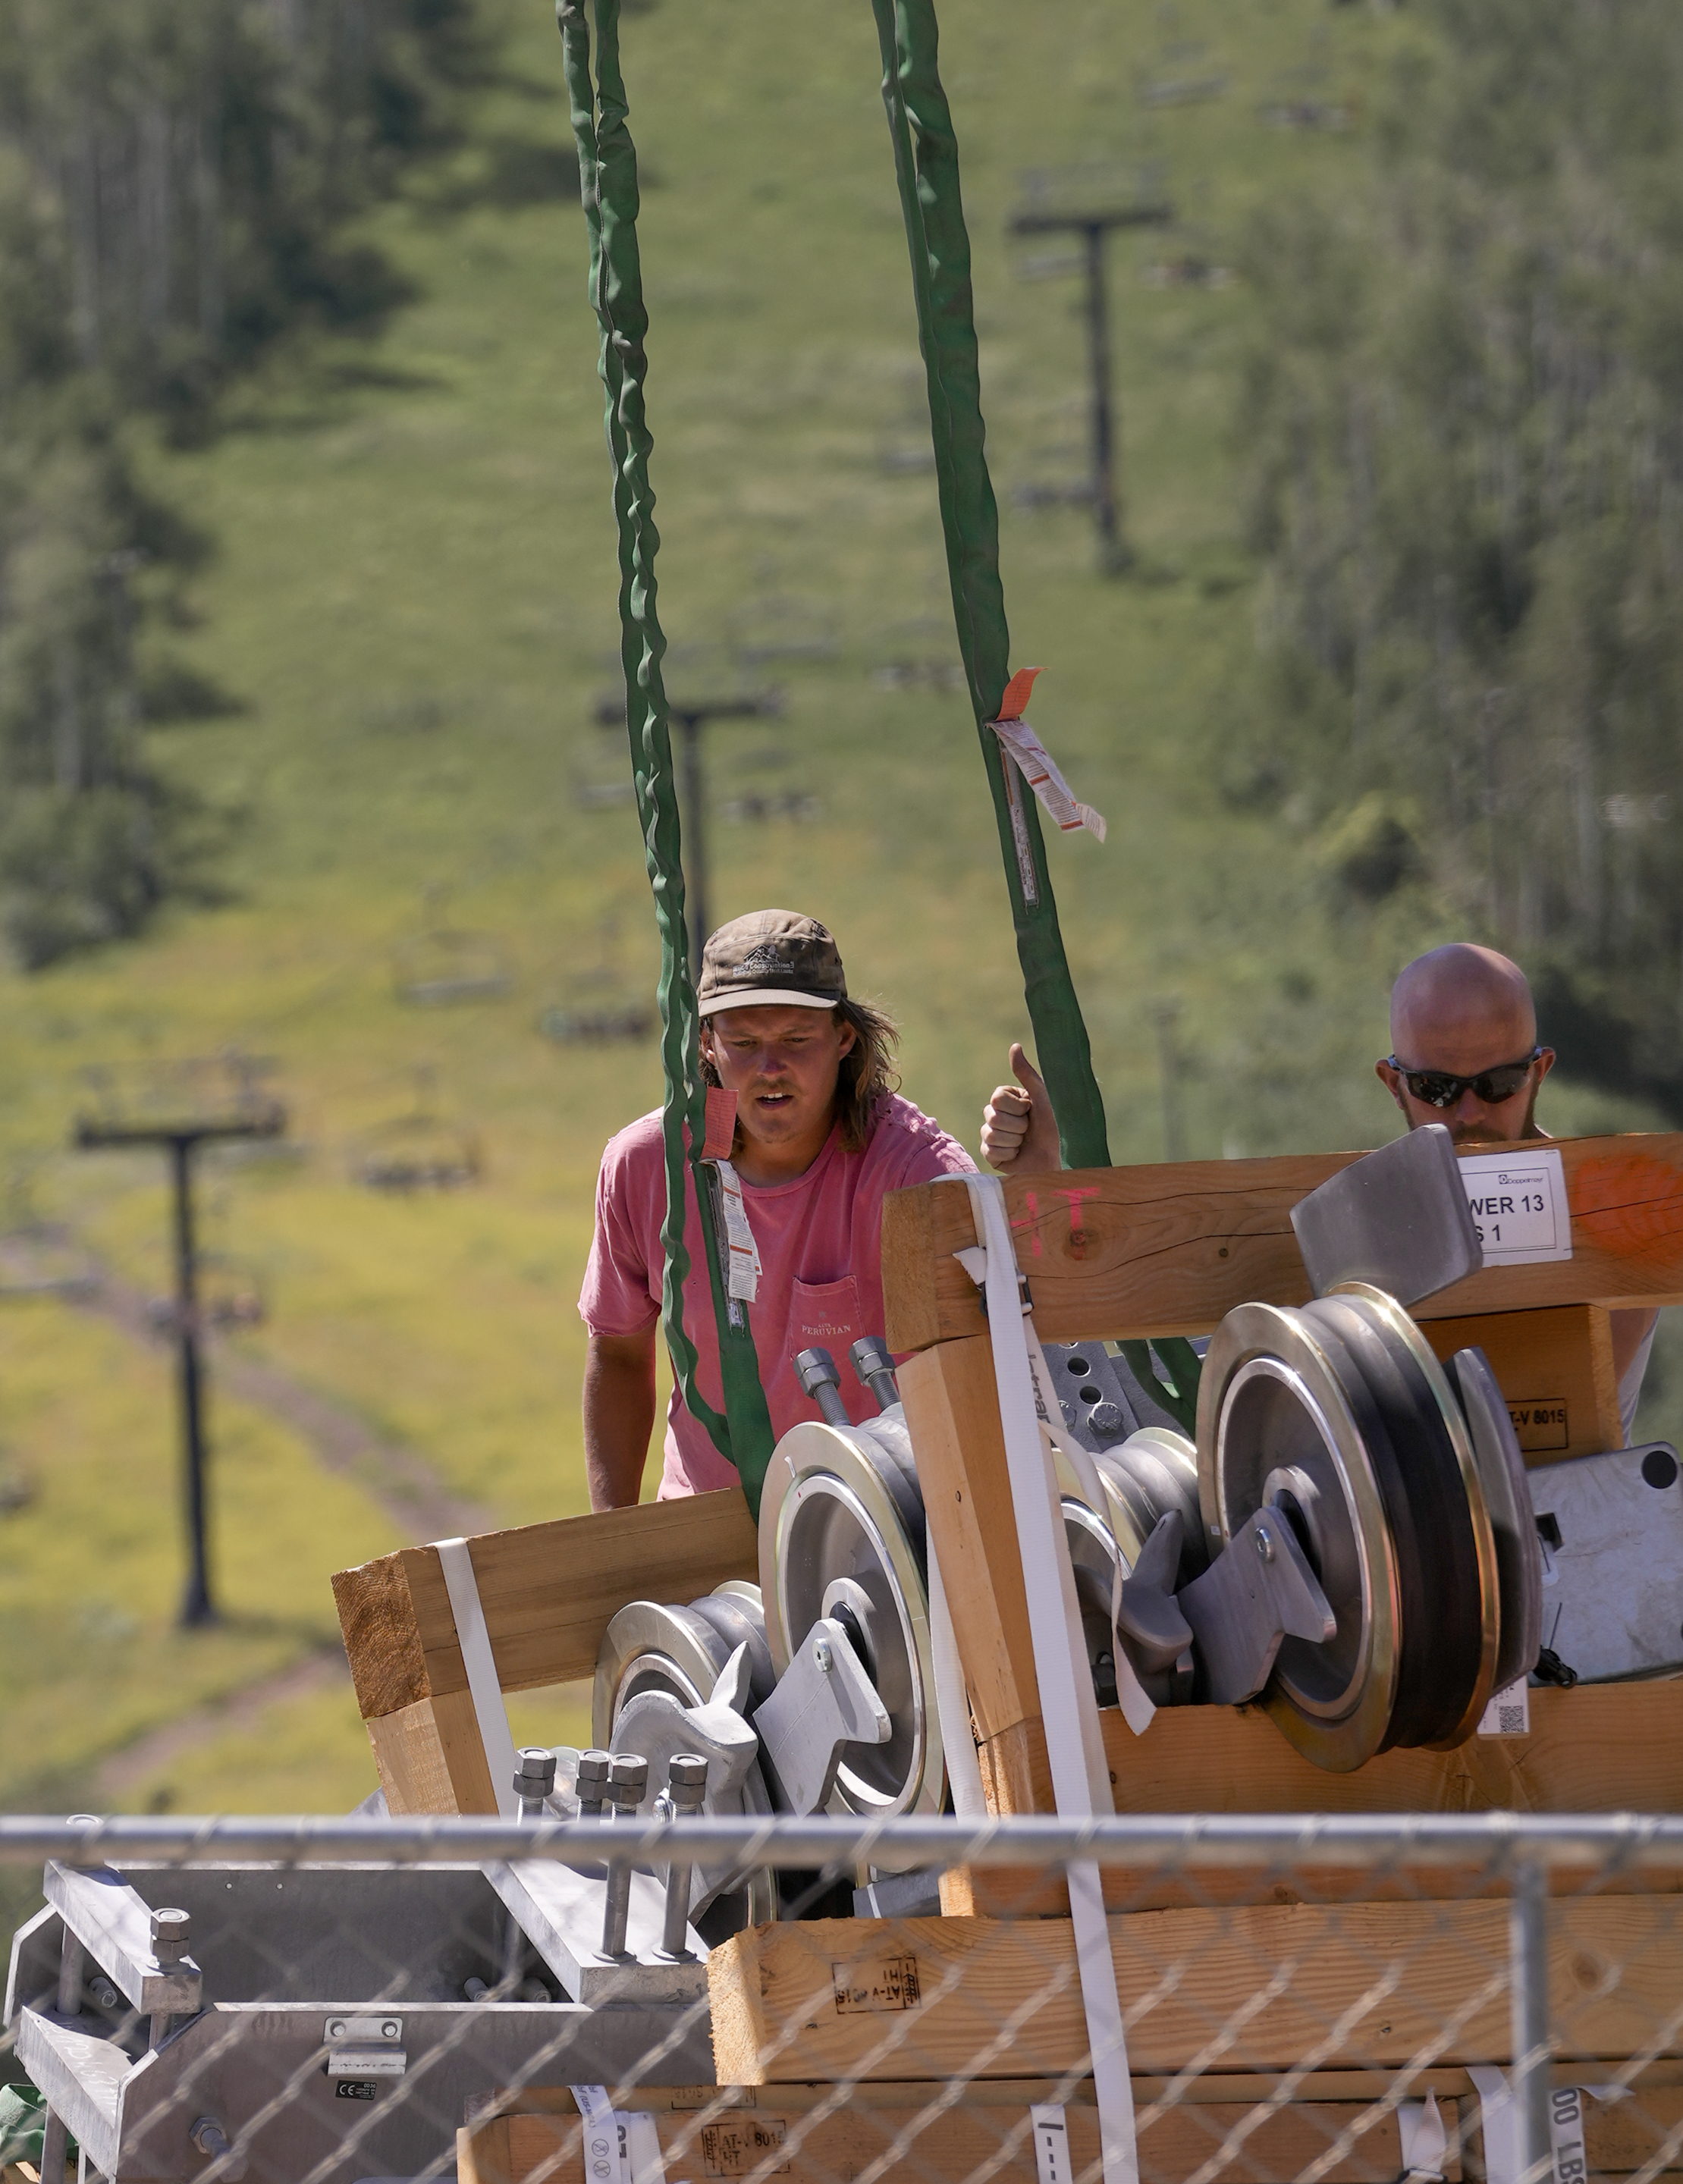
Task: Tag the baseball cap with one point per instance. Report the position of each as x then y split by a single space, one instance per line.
772 958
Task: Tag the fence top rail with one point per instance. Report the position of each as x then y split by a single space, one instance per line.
1499 1842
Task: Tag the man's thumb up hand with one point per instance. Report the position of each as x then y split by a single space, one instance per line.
1019 1130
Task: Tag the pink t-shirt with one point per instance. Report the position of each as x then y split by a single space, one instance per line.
820 1259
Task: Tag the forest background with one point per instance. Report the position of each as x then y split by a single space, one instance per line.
306 630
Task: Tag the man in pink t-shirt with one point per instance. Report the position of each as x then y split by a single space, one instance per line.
820 1138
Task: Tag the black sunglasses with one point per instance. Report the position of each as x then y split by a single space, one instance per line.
1435 1087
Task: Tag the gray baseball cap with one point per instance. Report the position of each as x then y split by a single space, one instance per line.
771 959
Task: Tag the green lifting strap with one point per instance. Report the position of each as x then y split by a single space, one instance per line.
607 161
926 163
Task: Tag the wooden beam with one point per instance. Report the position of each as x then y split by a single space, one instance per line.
430 1758
1128 1251
1599 1748
1555 1367
548 1592
927 1998
731 2131
952 1413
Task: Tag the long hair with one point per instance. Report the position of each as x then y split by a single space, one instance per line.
867 1077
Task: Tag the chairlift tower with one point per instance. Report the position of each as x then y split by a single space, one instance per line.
1094 225
252 1114
690 718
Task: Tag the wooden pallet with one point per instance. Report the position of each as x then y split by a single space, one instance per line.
1185 2130
934 2139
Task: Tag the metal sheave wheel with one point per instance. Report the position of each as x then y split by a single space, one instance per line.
841 1534
681 1651
1340 1415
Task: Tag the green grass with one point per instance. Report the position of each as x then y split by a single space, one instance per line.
414 601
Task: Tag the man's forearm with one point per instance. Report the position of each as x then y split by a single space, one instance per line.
619 1418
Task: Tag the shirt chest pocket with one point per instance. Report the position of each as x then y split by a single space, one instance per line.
826 1315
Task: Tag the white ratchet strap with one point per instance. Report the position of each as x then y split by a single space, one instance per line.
621 2145
952 1707
482 1686
1424 2140
1137 1711
1499 2120
1075 1745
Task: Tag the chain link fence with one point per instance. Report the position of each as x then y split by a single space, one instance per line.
1339 2001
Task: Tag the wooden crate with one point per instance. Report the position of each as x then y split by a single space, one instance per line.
548 1592
1118 1252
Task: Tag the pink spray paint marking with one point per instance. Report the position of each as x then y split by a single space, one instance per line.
1077 1234
1037 1250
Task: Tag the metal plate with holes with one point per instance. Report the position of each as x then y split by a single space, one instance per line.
1611 1531
841 1534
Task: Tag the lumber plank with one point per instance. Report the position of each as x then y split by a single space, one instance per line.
735 2131
429 1758
548 1592
930 1997
1170 1249
1598 1748
1555 1367
952 1413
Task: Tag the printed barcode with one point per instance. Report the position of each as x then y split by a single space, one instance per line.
1510 1721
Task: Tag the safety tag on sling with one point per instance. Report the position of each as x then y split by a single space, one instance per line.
743 1281
1035 763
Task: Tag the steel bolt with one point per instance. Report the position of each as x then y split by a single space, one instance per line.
1265 1544
171 1933
593 1782
686 1789
628 1782
534 1780
824 1657
628 1785
1105 1417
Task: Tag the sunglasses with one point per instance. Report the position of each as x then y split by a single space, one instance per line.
1435 1087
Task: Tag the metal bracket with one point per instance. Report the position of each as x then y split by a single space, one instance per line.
1259 1590
113 1924
824 1701
1397 1218
1149 1618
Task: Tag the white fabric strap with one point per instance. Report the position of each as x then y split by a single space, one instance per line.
1423 2139
952 1706
621 2145
1052 2163
1137 1710
482 1686
1074 1744
744 1278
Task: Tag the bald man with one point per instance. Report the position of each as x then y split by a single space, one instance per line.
1464 1052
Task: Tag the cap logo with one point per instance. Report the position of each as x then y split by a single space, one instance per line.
758 960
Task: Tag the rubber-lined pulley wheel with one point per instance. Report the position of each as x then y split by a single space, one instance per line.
1275 1423
1340 1415
842 1535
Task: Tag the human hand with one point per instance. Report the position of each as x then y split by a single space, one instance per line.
1019 1130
